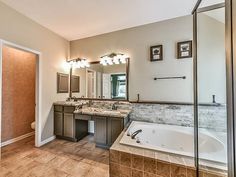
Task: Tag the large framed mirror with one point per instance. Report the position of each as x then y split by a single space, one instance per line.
100 81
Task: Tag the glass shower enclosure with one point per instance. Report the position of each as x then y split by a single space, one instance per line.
210 90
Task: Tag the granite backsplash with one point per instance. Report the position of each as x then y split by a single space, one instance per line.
210 117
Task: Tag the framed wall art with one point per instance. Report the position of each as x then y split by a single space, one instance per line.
184 49
156 53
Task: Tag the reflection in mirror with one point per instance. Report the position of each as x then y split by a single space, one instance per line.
102 82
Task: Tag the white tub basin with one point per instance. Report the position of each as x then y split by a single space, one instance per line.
175 139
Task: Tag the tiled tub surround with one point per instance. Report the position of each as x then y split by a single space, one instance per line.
210 117
127 161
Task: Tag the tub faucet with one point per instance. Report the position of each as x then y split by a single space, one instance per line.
136 133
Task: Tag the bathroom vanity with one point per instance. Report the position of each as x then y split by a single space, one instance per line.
71 118
71 123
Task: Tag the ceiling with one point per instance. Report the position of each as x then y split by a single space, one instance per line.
76 19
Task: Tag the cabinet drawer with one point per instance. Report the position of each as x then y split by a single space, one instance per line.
69 109
82 117
58 108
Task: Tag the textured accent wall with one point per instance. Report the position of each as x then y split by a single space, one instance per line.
18 92
210 117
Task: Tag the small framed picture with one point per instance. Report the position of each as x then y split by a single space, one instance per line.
184 49
156 53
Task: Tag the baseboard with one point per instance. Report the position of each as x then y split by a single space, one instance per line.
47 140
17 139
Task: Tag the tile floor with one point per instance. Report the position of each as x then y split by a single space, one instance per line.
59 158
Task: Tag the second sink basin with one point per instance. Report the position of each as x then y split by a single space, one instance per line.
111 112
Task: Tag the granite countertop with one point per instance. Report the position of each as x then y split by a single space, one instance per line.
70 103
103 112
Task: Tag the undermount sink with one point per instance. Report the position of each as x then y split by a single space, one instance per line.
111 112
102 111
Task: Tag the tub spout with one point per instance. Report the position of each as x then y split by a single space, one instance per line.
136 133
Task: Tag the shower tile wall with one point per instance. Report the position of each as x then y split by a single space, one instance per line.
211 117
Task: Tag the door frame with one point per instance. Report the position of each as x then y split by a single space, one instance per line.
38 88
94 82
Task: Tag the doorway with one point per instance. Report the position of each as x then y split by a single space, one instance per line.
91 83
19 93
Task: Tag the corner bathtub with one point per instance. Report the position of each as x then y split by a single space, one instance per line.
176 140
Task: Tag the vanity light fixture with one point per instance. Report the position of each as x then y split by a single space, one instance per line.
79 63
113 58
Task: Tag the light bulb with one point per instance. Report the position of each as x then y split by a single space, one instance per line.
74 64
103 61
109 61
116 60
78 64
87 64
123 59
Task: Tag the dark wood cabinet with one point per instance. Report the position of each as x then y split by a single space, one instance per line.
70 126
58 123
100 131
115 127
64 122
107 130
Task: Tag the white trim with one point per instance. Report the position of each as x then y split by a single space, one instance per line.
47 140
38 88
17 139
19 47
0 94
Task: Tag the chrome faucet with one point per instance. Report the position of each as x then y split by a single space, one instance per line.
90 103
136 133
114 107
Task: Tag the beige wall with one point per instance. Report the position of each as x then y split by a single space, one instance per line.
21 30
135 42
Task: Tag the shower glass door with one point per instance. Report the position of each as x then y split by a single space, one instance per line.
211 90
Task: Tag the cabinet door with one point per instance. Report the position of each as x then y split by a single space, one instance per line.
58 123
69 125
101 130
115 127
